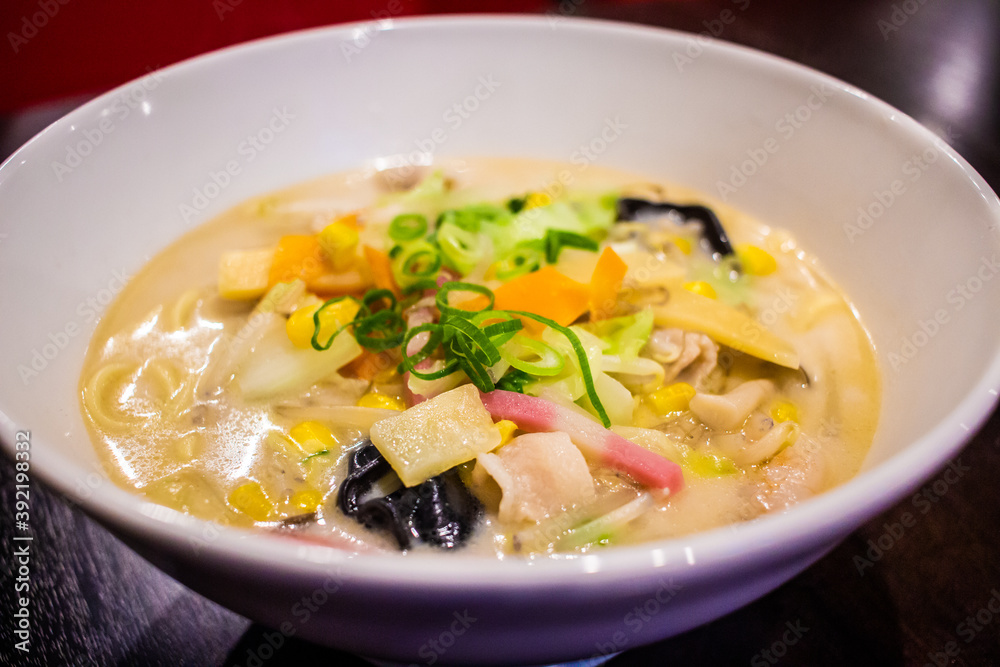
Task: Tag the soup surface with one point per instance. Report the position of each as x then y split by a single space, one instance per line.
509 357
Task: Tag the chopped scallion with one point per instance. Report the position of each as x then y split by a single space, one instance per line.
407 227
557 239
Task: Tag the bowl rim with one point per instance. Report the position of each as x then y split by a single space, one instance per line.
831 515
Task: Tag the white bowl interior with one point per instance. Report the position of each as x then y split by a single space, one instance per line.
69 236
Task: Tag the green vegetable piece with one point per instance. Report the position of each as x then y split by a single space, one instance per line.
519 351
515 380
461 248
407 227
626 335
525 258
322 452
556 240
417 261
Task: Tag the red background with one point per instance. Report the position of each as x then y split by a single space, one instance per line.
60 48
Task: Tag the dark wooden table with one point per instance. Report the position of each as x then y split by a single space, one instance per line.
925 600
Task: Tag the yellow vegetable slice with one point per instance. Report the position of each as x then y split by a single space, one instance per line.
243 274
436 435
726 325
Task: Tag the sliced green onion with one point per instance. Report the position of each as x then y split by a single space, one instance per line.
383 330
419 286
435 338
407 227
461 248
321 347
472 341
322 452
374 296
557 239
581 356
422 263
525 258
477 371
447 370
519 349
501 332
446 310
470 331
514 380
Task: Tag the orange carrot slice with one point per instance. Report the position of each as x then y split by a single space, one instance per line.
605 283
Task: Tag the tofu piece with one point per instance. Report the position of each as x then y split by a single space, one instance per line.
539 475
436 435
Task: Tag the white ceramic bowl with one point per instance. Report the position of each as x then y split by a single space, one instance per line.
92 197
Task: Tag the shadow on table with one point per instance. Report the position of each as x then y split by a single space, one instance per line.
256 648
805 622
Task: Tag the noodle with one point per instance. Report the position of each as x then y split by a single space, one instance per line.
98 397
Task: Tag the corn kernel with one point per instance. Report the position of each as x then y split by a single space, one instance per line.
672 398
306 500
312 437
783 411
683 244
373 400
251 500
701 287
756 261
300 325
537 200
339 240
507 428
708 464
